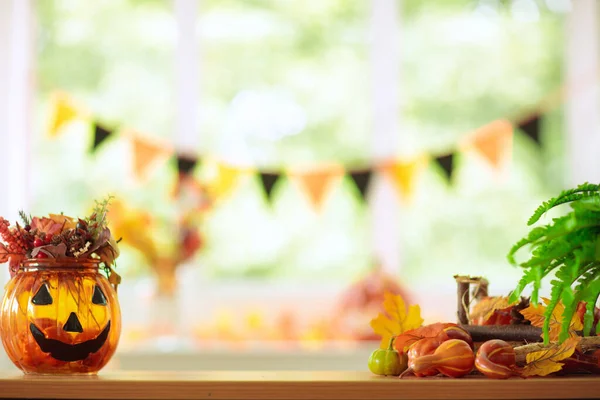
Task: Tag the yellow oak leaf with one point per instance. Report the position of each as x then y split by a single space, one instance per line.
483 310
545 362
396 319
535 314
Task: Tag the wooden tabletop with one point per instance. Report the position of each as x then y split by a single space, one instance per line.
288 385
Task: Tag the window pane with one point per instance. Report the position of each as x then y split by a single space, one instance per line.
466 64
286 83
115 58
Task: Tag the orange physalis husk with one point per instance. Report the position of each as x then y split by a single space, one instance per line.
427 346
422 348
453 358
496 359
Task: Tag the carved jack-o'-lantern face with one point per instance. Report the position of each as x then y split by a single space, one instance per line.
68 351
63 319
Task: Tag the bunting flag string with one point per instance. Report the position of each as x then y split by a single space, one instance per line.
362 180
493 142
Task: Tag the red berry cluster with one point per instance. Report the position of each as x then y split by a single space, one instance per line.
15 242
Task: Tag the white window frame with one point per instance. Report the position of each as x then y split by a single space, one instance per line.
385 52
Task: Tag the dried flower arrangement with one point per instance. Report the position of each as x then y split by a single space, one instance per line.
59 236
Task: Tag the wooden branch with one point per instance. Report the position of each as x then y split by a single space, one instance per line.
508 333
587 343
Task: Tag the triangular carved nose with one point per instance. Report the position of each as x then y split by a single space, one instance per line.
73 324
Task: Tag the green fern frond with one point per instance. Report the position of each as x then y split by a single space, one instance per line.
588 290
588 275
555 295
569 245
542 237
590 300
590 203
579 193
570 305
537 283
550 250
566 276
527 279
590 308
533 236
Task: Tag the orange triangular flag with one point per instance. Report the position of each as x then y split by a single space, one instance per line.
404 173
317 182
63 111
146 153
494 142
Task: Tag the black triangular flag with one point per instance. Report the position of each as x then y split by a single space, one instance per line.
447 164
531 128
186 164
361 180
100 135
268 180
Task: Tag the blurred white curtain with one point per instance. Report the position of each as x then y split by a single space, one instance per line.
16 88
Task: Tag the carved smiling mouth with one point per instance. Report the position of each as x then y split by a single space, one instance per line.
69 352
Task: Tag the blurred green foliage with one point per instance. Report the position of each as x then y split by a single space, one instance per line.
265 63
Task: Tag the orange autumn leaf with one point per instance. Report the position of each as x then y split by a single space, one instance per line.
406 339
484 310
46 225
66 222
397 318
545 362
535 314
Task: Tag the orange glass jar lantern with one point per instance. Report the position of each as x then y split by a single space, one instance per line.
60 317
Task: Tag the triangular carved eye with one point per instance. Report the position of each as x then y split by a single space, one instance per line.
42 297
98 297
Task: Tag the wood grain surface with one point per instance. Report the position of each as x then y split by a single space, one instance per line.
287 385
